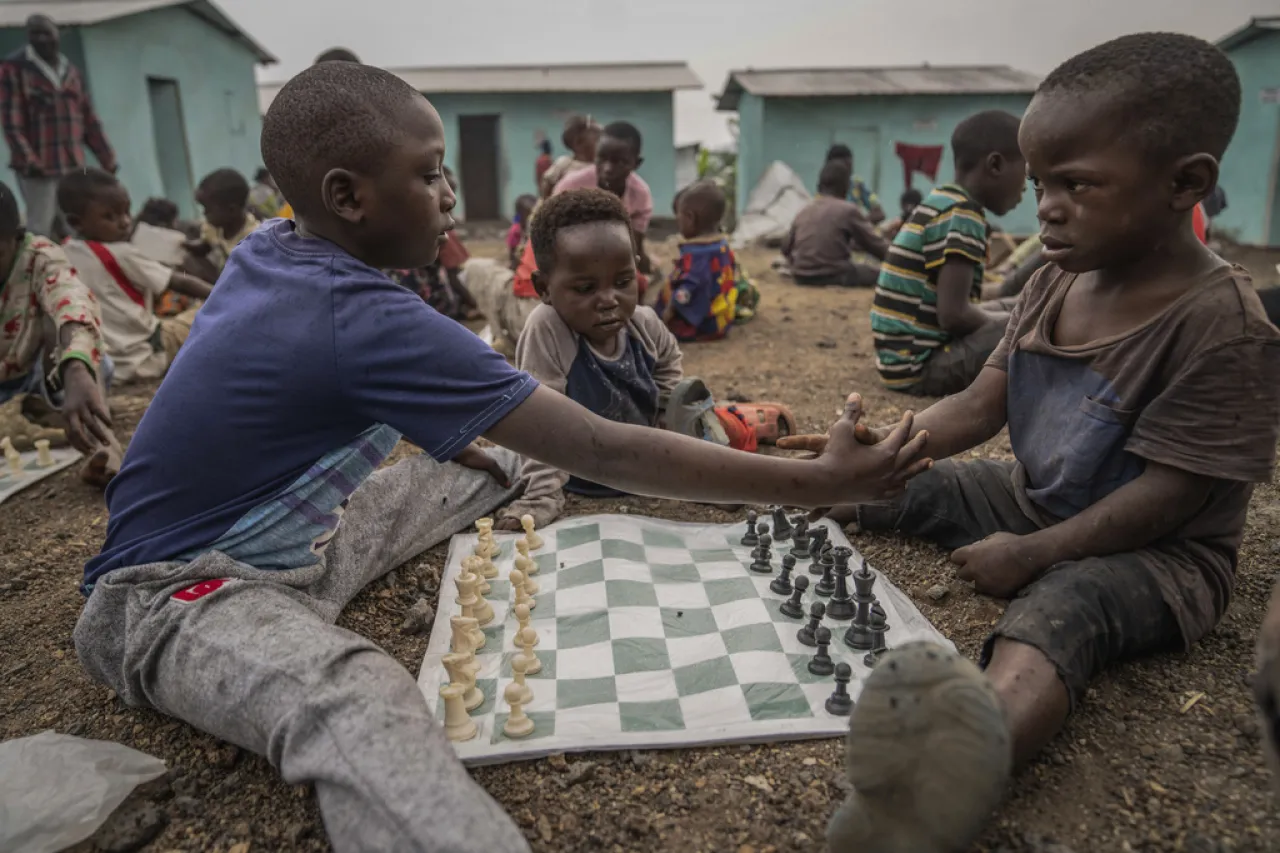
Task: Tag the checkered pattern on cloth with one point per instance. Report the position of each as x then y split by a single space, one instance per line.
47 127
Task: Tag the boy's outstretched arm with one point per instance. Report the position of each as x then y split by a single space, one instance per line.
189 285
1138 513
553 429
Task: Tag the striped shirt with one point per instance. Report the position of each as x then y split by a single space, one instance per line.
904 315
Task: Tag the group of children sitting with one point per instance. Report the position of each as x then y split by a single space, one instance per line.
1137 374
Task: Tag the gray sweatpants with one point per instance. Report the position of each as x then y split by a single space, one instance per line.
257 661
40 195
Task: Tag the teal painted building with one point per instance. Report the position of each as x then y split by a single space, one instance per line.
495 116
1251 168
794 115
172 80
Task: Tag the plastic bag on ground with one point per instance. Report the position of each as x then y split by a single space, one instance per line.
56 790
773 205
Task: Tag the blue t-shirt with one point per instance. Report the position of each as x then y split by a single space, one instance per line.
300 374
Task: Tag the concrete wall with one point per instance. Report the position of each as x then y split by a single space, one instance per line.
798 131
215 76
523 116
1251 167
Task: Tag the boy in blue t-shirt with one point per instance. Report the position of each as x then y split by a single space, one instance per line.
251 508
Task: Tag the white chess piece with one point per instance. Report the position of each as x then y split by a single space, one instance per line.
527 568
463 642
458 725
519 668
522 593
12 456
522 620
526 640
522 547
472 605
535 541
475 566
463 670
518 722
43 457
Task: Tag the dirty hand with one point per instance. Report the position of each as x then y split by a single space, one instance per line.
509 523
477 460
999 565
815 444
872 472
86 414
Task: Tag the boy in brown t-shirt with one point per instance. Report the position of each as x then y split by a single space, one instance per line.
828 231
1140 381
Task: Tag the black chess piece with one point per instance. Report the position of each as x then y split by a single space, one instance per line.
859 634
841 607
817 540
751 538
781 525
827 585
782 583
800 536
763 564
879 626
793 607
808 635
762 529
841 703
821 663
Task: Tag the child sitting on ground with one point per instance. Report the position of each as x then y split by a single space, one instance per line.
932 337
224 197
908 203
827 231
589 341
251 506
1141 386
519 223
51 348
125 281
859 192
708 291
581 136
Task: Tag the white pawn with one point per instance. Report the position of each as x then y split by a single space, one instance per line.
458 725
13 457
535 541
522 547
518 722
43 457
463 670
522 620
524 564
526 640
519 668
522 594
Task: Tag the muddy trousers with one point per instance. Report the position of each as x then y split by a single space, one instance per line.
253 657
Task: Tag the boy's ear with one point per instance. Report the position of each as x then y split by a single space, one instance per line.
540 286
338 192
996 163
1194 177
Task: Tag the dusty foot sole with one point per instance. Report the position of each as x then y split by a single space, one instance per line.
101 467
929 756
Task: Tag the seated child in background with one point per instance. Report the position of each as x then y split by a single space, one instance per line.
708 291
931 335
264 199
581 136
51 348
159 235
908 203
591 342
859 193
826 233
216 591
224 196
125 281
1141 386
519 223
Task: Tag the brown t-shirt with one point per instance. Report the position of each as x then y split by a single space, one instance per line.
826 233
1197 388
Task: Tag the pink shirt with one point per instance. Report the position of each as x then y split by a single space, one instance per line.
636 198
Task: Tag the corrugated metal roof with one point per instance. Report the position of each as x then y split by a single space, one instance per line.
909 80
1250 31
602 77
14 13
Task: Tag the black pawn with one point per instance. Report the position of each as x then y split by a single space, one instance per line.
781 526
817 540
821 663
800 550
751 538
793 608
762 530
841 703
763 564
879 625
782 583
808 635
827 586
842 607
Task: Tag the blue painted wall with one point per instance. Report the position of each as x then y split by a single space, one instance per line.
798 132
215 76
1251 167
524 115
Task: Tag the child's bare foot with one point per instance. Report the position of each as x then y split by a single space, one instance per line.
929 756
1266 685
102 465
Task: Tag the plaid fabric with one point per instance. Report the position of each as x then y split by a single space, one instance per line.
47 127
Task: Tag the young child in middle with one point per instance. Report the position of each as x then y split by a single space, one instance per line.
592 342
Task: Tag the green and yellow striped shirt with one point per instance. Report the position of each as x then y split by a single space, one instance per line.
904 315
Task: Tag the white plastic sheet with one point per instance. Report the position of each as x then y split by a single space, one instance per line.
772 206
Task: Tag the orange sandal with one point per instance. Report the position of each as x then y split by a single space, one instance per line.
770 421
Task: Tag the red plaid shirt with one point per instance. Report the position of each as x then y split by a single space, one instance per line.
47 127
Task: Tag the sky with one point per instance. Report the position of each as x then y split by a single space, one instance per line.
715 36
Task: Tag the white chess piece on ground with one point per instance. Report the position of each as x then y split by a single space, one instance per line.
535 541
463 635
518 722
526 639
43 457
458 725
527 568
12 456
522 620
463 670
519 668
522 548
522 593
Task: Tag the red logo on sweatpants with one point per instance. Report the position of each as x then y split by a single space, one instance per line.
198 591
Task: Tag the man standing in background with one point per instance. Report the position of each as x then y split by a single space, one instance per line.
47 119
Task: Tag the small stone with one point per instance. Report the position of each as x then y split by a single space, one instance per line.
759 783
419 618
1147 751
130 827
826 343
582 771
186 806
801 839
242 847
17 583
938 592
224 757
544 829
1247 725
297 832
1120 727
809 762
389 580
1172 754
242 829
557 762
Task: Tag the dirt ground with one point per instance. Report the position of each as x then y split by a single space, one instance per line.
1163 756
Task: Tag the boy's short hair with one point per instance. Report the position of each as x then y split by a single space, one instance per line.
78 188
574 126
985 133
159 212
1180 94
10 219
835 178
224 186
262 175
332 115
706 198
627 132
839 151
911 197
337 54
569 209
